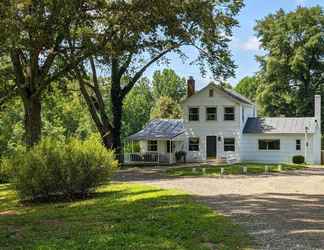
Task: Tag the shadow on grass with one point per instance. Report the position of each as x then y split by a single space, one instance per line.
122 216
277 220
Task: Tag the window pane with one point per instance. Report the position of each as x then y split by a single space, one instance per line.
262 145
229 144
229 114
211 93
151 145
274 145
193 114
211 114
194 144
269 144
298 145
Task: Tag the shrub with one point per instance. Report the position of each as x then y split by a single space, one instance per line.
298 159
181 155
5 171
69 170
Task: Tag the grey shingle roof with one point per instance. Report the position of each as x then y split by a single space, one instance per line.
279 125
160 129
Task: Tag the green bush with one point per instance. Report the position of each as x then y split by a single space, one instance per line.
52 168
298 159
5 171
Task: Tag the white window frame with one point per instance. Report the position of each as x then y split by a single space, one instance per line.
189 115
229 113
194 144
150 145
229 144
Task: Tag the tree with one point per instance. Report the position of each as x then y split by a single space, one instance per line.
166 108
141 33
292 69
137 107
168 83
248 87
33 35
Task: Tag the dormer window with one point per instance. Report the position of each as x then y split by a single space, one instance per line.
229 114
193 114
211 92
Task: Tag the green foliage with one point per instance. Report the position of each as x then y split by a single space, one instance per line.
248 87
298 159
168 83
132 147
292 68
166 108
6 171
137 107
69 169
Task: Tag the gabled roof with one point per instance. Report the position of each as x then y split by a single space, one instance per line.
160 129
229 92
279 125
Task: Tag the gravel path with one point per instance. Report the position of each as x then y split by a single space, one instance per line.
280 211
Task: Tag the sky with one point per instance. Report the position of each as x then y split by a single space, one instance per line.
244 45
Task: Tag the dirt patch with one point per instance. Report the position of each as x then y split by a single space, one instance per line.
8 213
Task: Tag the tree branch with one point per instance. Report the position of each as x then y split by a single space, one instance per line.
132 82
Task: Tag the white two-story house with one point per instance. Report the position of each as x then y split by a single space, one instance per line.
219 123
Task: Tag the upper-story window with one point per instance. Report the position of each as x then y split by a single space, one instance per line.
211 92
211 113
243 118
193 114
229 114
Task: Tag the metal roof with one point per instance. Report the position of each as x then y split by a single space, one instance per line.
279 125
229 92
160 129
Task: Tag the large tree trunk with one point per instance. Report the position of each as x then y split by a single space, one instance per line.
33 120
117 110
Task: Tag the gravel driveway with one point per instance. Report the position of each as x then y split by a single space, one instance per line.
280 211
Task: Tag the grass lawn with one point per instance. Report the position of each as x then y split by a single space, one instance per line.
211 170
118 216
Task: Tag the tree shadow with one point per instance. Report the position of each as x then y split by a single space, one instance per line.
122 218
276 220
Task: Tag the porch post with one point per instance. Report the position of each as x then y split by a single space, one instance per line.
170 153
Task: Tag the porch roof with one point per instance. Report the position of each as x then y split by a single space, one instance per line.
160 129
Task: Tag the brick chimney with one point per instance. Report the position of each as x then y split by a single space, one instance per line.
190 86
317 109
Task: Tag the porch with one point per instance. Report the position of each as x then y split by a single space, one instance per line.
159 141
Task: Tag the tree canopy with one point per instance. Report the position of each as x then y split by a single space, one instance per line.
292 68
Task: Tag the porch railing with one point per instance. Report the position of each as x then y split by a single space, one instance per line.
149 157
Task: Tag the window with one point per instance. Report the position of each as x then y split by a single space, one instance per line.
193 114
152 146
170 145
211 114
269 144
298 145
211 92
229 114
194 144
243 118
229 144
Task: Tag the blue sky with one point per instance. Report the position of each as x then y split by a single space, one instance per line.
244 45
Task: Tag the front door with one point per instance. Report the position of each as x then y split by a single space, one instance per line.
211 146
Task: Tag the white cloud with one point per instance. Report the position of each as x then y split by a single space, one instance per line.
300 2
252 44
